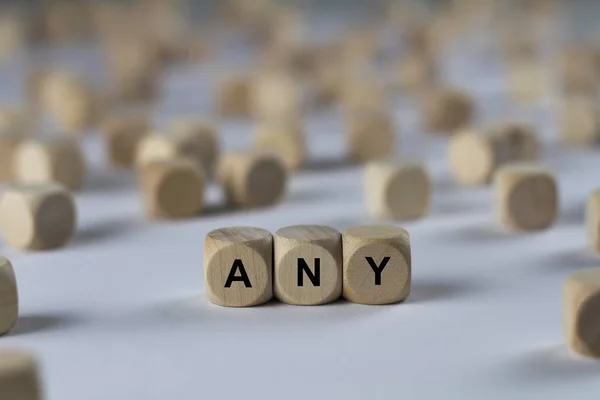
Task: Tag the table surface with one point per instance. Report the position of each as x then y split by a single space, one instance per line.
121 312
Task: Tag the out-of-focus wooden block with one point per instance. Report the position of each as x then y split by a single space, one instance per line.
526 197
579 73
234 96
253 178
447 110
276 95
308 264
9 142
592 218
377 264
371 135
581 305
57 159
527 80
238 266
9 297
19 376
122 135
172 188
16 121
196 142
285 137
580 122
37 216
363 94
416 73
396 190
474 155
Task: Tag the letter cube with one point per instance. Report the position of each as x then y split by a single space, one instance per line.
377 264
581 305
238 266
37 216
396 190
308 264
172 189
526 197
9 298
19 376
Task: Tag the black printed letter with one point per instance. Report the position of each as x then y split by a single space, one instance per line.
377 269
238 265
314 278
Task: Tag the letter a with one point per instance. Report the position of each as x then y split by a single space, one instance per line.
238 265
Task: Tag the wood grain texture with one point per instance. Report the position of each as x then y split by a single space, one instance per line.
286 137
474 154
580 122
581 305
592 218
300 251
37 216
122 135
396 190
525 196
252 178
446 110
54 160
172 189
19 376
238 266
9 297
377 264
371 135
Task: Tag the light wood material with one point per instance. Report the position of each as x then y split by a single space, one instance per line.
580 122
122 135
238 266
19 376
581 305
276 95
371 135
377 264
9 142
172 189
475 154
447 110
234 96
286 137
396 190
37 216
528 80
526 197
578 72
56 159
308 264
9 297
360 93
416 72
593 220
252 178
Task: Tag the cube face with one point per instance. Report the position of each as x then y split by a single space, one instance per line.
55 220
372 136
587 326
581 305
122 136
9 298
238 266
579 123
19 377
593 220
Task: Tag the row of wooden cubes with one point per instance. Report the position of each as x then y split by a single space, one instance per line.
307 265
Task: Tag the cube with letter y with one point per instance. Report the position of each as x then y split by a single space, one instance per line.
238 266
377 264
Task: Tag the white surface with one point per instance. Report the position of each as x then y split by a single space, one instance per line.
120 314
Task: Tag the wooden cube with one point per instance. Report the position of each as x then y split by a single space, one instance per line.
9 297
308 265
238 266
371 135
362 93
416 72
475 154
377 264
396 190
19 376
57 159
37 216
285 137
252 178
276 95
447 110
234 97
578 72
593 220
172 188
527 79
9 142
122 135
581 305
526 197
580 122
